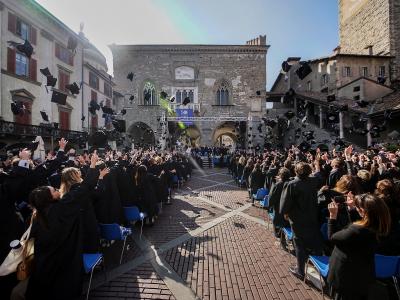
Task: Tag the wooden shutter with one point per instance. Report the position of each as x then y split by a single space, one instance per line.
64 120
12 23
94 122
32 69
26 117
71 59
33 36
57 49
11 60
93 95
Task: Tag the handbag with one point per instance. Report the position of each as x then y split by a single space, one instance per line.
16 256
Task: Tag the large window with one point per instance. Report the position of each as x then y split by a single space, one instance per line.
364 72
64 54
21 65
347 72
63 80
149 94
181 94
324 79
107 89
222 95
94 80
21 28
382 71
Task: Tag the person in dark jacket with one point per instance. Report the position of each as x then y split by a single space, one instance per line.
299 204
352 265
57 230
256 179
275 198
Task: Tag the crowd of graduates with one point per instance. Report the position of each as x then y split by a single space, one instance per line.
352 196
66 197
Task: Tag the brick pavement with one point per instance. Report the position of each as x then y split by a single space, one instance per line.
224 258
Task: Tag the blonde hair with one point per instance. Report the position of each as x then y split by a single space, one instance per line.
364 175
242 160
69 177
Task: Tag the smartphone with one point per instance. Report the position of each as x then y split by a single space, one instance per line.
339 199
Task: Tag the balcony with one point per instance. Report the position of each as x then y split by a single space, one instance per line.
12 128
194 106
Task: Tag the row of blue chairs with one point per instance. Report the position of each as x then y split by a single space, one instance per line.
385 267
113 232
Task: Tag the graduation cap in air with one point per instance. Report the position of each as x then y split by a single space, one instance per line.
147 95
119 125
123 111
289 114
51 81
381 80
163 95
304 70
44 115
172 99
333 117
73 88
72 43
186 101
362 103
258 93
45 72
25 48
131 98
304 146
130 76
331 98
83 118
17 108
93 107
286 67
58 97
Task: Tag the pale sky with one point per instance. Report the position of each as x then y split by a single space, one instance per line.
306 28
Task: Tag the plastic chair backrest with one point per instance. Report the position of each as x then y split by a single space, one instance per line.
132 213
261 193
111 231
386 266
324 231
265 201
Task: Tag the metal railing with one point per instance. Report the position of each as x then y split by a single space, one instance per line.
13 128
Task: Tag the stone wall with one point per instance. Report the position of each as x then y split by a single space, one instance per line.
242 67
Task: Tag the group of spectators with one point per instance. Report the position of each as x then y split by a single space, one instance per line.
352 196
66 197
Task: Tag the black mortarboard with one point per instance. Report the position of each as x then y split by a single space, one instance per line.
83 118
286 67
73 88
17 108
333 118
163 95
123 111
258 93
186 101
289 114
130 76
119 125
107 110
25 48
45 72
303 71
51 81
59 98
72 43
172 99
362 103
331 98
381 80
304 146
44 115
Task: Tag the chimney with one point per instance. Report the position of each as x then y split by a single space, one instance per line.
370 49
261 40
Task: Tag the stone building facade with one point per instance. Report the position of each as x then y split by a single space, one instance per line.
371 27
220 81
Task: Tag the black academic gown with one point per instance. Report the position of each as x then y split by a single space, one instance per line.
274 202
58 264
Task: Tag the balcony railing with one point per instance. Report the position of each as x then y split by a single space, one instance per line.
13 128
193 106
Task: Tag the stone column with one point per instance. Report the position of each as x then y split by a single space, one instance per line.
341 129
321 118
369 137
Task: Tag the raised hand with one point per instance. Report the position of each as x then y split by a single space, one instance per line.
62 143
104 172
333 210
94 159
25 154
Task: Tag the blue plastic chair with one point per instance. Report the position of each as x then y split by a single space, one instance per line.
388 267
175 180
321 263
115 232
261 193
90 261
287 231
265 201
132 214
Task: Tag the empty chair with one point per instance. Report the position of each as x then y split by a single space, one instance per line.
132 214
261 193
90 261
388 267
115 232
321 264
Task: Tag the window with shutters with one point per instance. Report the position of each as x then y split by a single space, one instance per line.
21 28
63 80
382 71
107 89
347 72
21 64
94 80
364 72
64 120
64 54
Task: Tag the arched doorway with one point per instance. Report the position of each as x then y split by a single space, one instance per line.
226 134
142 135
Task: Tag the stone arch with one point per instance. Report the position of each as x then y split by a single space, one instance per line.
225 129
142 135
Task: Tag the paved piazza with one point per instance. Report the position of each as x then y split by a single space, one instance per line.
209 244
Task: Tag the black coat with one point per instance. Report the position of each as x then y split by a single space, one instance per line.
351 265
274 202
58 264
257 179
